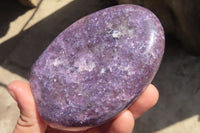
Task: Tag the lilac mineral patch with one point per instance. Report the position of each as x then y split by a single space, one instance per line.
97 67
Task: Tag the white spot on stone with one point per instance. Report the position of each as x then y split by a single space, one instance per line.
57 62
132 45
126 68
110 68
131 72
102 71
54 80
116 34
83 65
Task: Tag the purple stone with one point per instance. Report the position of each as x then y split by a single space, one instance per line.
97 67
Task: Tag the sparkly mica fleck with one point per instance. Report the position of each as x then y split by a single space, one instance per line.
97 67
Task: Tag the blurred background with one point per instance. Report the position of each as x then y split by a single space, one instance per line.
28 26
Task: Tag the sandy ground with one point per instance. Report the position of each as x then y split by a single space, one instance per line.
25 33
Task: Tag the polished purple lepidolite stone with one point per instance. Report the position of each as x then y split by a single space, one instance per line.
97 67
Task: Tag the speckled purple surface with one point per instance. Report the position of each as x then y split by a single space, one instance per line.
97 67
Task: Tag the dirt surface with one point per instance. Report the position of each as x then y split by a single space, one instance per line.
25 33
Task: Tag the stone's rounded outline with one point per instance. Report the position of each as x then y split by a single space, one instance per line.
149 64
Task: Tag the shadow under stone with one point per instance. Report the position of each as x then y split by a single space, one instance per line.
9 11
20 52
